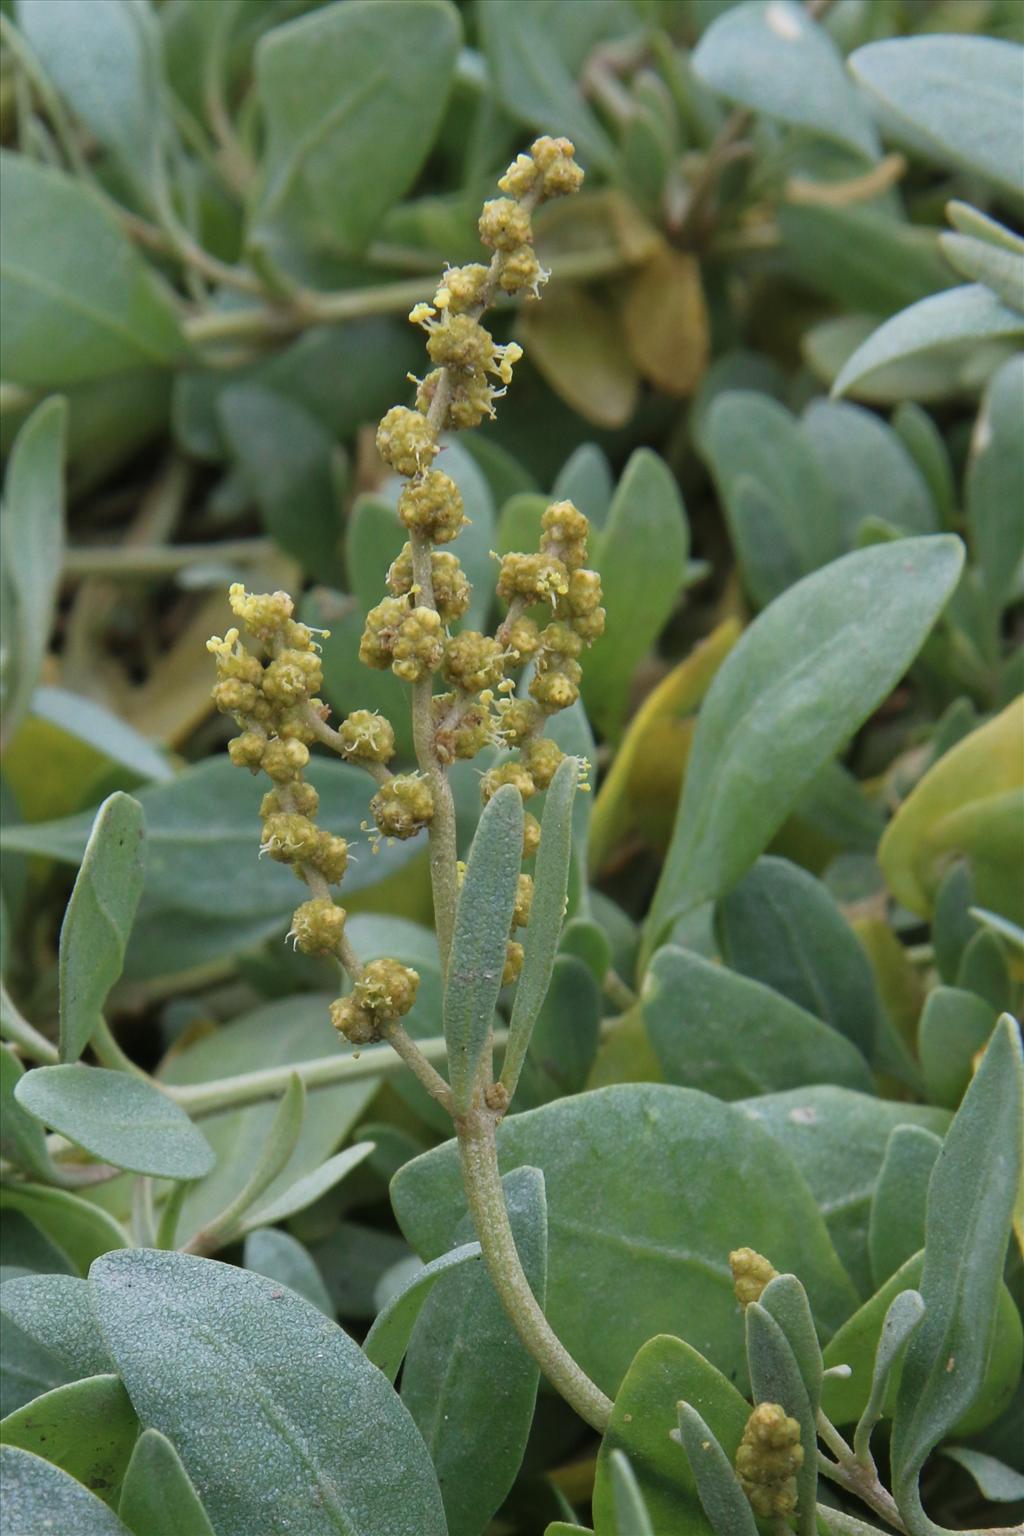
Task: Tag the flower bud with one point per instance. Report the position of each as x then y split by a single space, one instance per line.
246 751
531 835
405 440
264 614
387 990
554 158
768 1459
317 926
513 963
284 760
419 645
541 758
536 578
330 857
461 342
520 270
522 638
751 1272
403 806
504 224
433 507
462 288
289 838
473 661
564 533
303 800
353 1021
507 773
524 901
367 737
520 718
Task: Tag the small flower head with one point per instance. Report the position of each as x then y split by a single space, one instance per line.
432 506
461 342
246 751
564 533
302 799
387 990
292 677
556 683
536 578
264 614
330 857
353 1021
452 592
521 271
507 773
367 737
418 646
751 1272
522 638
317 926
513 963
473 661
405 440
403 806
555 160
520 719
768 1459
531 835
284 761
462 288
505 224
289 837
524 901
383 623
541 758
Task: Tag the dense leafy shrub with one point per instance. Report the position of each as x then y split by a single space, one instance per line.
672 1185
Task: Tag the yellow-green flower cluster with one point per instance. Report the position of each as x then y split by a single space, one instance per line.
767 1461
271 692
384 992
751 1272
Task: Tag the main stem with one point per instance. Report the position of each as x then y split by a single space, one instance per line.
486 1197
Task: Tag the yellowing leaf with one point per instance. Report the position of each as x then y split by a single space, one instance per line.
666 322
970 803
576 343
643 765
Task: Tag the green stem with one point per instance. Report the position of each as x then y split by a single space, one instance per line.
170 1214
109 1054
24 1035
852 1475
130 561
318 1072
482 1180
618 991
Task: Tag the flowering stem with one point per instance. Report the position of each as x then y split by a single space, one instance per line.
482 1180
852 1475
401 1042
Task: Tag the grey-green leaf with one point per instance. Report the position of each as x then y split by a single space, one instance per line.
98 919
258 1389
352 96
49 1337
310 1186
979 261
954 98
786 1300
715 1030
282 1257
970 1204
157 1495
896 1225
547 910
723 1500
81 307
776 1377
960 318
802 679
483 922
31 550
40 1497
86 1427
468 1381
641 554
994 485
104 59
772 56
21 1136
904 1315
997 1481
631 1517
782 927
647 1195
388 1339
954 1026
119 1119
275 1154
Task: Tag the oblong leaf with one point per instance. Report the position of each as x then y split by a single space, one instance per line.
282 1257
547 911
31 551
787 699
275 1154
776 1377
904 1315
730 1036
647 1197
157 1495
483 922
896 1228
966 315
187 1333
40 1497
773 56
631 1517
98 919
310 1187
956 97
388 1338
970 1205
77 308
118 1118
87 1428
722 1499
